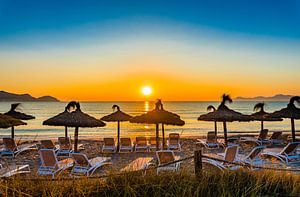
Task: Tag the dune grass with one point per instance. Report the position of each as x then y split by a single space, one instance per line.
239 183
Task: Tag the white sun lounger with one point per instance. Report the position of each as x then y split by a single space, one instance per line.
211 141
50 165
287 155
65 146
230 155
109 145
12 170
166 156
125 145
141 144
87 167
173 142
11 149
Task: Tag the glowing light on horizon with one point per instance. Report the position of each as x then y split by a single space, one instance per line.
147 90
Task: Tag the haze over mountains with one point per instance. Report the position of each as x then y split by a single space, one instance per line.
277 97
7 96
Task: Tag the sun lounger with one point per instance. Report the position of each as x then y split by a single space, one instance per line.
230 155
11 170
287 155
50 165
109 145
65 146
141 144
173 143
152 143
253 158
140 163
260 140
211 141
11 149
166 156
48 144
276 137
125 145
87 167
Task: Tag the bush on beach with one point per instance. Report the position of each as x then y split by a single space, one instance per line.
238 183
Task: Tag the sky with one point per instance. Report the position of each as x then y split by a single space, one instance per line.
183 50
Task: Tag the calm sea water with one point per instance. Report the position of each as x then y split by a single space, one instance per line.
189 112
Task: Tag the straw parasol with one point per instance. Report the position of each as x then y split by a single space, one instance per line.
158 116
8 121
117 116
212 108
59 119
224 114
262 115
291 111
17 115
74 119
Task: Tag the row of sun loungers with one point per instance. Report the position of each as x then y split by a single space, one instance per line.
276 138
141 144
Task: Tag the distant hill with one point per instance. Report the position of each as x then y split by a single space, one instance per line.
7 96
277 97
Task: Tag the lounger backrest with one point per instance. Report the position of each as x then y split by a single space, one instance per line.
290 148
211 137
65 143
255 152
48 157
165 156
152 140
9 144
173 138
230 153
47 144
276 135
141 141
263 134
109 141
80 159
125 142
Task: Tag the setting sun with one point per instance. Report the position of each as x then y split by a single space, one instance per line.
146 90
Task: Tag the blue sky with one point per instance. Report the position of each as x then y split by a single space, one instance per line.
187 40
272 18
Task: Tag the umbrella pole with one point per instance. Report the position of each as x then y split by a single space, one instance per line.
293 129
12 132
157 137
163 136
76 139
225 133
262 125
216 127
118 143
66 131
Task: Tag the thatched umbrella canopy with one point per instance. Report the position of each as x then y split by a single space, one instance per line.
59 119
212 108
224 114
261 115
17 115
291 111
75 119
8 121
159 116
117 116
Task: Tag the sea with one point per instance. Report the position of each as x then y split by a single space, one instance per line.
188 111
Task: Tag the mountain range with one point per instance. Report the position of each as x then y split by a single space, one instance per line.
7 96
277 97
